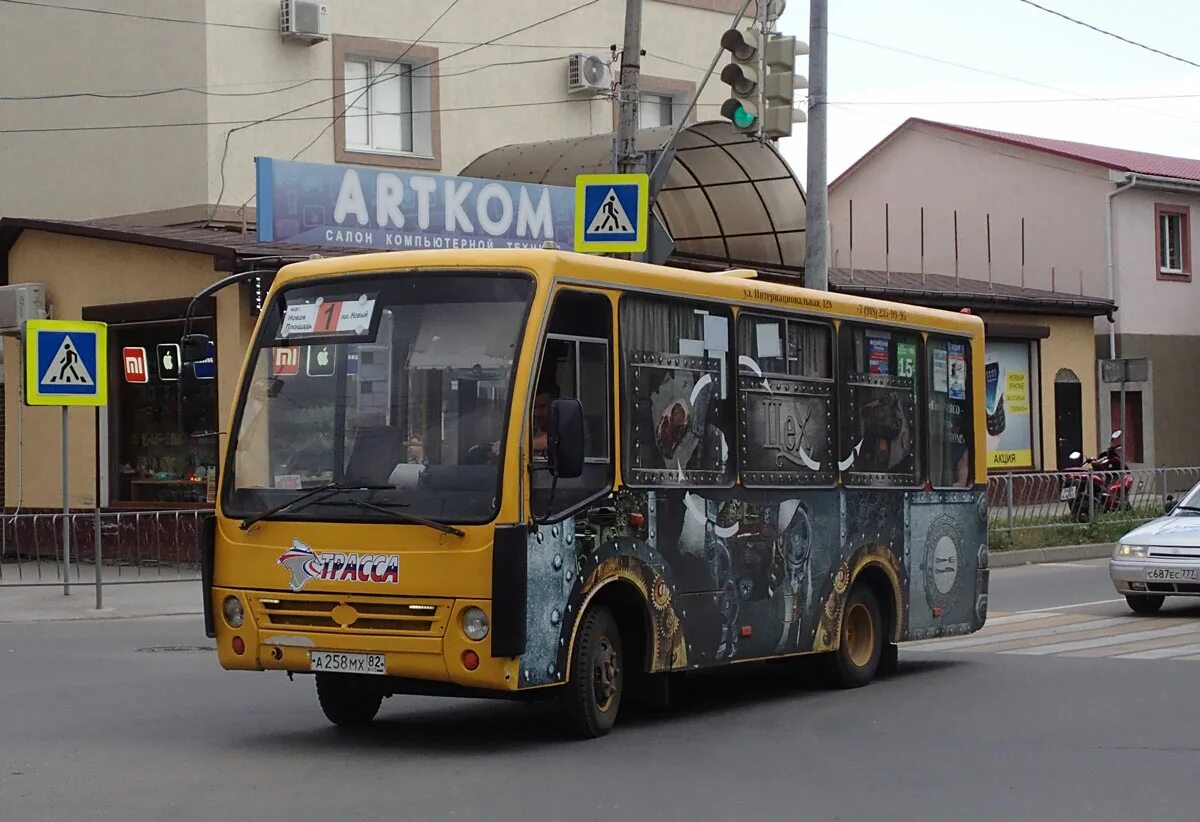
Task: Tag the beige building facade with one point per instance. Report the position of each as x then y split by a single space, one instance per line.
1081 221
162 106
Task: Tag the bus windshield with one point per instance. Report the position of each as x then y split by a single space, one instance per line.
398 385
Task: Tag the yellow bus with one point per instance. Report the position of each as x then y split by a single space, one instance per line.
532 473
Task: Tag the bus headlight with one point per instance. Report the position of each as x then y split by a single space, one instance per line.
232 610
1130 551
475 623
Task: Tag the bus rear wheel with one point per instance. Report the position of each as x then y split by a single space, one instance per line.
860 648
596 684
346 701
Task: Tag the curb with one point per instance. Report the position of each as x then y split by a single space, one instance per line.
1065 553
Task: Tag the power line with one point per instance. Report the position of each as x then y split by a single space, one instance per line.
229 134
1112 34
303 119
1006 102
1003 76
155 18
134 94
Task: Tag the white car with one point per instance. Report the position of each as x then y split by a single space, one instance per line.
1161 558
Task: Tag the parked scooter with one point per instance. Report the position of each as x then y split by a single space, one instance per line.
1110 489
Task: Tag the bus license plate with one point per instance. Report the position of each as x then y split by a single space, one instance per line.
1171 573
335 662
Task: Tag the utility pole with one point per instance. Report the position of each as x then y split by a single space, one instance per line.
627 157
816 220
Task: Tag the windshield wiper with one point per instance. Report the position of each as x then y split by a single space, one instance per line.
309 497
400 516
1186 508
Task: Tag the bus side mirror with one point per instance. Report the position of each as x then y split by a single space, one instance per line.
194 347
565 446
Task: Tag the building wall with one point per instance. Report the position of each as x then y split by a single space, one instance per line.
1070 345
1061 201
1150 305
79 272
78 174
512 91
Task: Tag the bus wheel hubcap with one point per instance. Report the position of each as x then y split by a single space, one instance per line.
607 674
860 635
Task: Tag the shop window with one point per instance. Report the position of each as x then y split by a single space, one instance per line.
1130 421
575 364
880 371
676 414
785 401
951 435
1173 242
152 459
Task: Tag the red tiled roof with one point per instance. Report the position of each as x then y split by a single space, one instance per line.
1118 159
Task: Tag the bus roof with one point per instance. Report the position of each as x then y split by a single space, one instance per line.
739 286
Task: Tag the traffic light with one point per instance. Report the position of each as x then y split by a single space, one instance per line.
744 105
779 86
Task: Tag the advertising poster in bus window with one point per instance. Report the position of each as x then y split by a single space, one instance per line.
1007 404
877 355
940 381
906 359
957 357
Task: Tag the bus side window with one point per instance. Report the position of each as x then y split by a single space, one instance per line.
575 363
677 394
951 434
880 369
786 401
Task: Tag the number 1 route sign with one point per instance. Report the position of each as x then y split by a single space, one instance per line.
66 363
612 212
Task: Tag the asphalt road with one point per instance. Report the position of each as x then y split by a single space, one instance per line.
95 726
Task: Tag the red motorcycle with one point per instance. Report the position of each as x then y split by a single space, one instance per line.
1100 479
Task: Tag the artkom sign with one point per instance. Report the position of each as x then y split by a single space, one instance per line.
358 207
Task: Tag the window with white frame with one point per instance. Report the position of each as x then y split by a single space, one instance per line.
656 110
383 107
1172 235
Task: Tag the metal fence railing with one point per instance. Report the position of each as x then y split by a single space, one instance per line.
131 546
1063 499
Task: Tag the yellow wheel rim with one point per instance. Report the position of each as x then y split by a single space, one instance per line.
859 634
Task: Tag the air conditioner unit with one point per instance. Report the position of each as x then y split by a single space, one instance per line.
19 303
304 20
588 72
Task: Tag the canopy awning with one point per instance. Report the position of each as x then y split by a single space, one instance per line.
726 198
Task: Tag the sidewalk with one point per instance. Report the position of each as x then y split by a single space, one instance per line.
123 597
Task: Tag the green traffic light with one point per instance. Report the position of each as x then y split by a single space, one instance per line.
742 118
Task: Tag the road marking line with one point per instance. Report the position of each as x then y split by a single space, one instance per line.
1010 636
1076 605
1100 642
1164 653
1008 619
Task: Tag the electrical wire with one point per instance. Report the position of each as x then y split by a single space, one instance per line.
140 16
1003 76
302 119
1112 34
1006 102
229 134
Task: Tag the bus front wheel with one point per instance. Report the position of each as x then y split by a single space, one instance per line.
346 701
860 648
596 683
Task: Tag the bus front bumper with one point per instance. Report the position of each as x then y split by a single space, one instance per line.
417 638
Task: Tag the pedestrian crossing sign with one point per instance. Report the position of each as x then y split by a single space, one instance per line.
66 363
612 212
